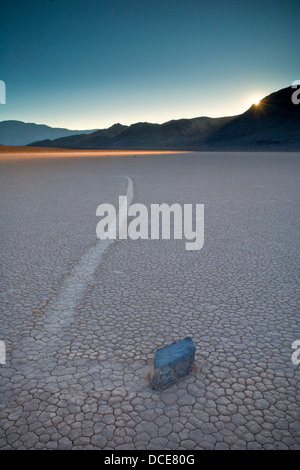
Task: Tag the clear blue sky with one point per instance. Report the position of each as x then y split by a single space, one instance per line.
91 63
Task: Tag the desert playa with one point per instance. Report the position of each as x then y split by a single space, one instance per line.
82 319
9 152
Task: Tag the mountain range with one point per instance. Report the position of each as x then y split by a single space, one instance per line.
273 124
22 133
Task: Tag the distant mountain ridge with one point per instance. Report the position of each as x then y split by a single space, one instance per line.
22 133
273 124
172 134
83 141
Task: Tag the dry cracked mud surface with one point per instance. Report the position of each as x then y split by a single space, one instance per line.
81 339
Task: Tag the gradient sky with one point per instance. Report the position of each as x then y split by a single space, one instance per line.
90 63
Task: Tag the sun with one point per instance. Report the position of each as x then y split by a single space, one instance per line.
256 100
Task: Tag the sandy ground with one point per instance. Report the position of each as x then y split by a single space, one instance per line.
19 152
81 320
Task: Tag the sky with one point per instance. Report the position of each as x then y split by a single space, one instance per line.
87 64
